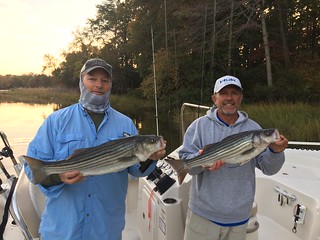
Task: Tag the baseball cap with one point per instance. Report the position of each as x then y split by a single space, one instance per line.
225 81
96 63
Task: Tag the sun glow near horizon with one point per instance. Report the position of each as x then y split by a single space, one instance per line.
32 28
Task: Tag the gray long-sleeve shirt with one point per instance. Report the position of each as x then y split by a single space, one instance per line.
226 194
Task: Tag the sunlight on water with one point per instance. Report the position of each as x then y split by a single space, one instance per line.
20 122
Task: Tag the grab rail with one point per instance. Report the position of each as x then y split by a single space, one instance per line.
183 127
304 145
284 193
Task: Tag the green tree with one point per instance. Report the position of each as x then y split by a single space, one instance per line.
196 42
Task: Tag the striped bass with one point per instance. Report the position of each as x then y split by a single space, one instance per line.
235 149
112 156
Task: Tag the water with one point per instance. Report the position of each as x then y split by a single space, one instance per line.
20 122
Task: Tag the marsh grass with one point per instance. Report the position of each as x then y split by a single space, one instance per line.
66 97
129 104
63 97
298 121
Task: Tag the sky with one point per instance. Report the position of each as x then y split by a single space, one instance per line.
29 29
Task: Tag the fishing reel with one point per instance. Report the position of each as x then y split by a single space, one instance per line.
161 179
6 152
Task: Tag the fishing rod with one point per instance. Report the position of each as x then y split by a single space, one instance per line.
155 83
5 152
4 170
7 193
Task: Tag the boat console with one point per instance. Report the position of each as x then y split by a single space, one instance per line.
286 206
163 204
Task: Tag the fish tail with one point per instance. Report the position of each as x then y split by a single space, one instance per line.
180 167
36 166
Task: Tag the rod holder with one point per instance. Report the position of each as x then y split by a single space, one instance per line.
284 194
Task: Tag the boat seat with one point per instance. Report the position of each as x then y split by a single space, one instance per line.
29 204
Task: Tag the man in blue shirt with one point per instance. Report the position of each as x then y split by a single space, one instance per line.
79 207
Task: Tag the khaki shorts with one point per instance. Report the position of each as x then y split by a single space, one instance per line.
202 229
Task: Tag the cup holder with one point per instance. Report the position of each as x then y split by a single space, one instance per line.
169 201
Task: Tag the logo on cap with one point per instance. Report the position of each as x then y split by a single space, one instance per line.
225 81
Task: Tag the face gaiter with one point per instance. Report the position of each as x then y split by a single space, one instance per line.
92 102
88 100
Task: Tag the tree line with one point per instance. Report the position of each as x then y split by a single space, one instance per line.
183 46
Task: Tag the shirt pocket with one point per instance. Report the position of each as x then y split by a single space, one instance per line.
68 143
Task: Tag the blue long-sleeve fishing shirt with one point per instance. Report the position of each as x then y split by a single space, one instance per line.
94 208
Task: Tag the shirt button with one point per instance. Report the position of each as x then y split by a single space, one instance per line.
88 215
89 195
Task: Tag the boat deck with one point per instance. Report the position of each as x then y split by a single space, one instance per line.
268 229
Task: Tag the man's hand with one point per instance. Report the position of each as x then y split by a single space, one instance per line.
280 145
159 154
216 165
71 177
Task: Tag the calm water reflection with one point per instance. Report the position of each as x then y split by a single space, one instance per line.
20 122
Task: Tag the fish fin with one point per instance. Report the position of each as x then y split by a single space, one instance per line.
77 152
244 162
80 151
125 134
179 166
206 166
248 152
36 166
204 149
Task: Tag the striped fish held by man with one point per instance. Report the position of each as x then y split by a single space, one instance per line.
234 149
112 156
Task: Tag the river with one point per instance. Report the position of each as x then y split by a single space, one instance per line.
20 122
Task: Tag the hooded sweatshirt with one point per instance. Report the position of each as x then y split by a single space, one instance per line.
225 195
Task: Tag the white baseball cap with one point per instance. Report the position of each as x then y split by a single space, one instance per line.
225 81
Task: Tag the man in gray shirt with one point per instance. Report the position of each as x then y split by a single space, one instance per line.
221 196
